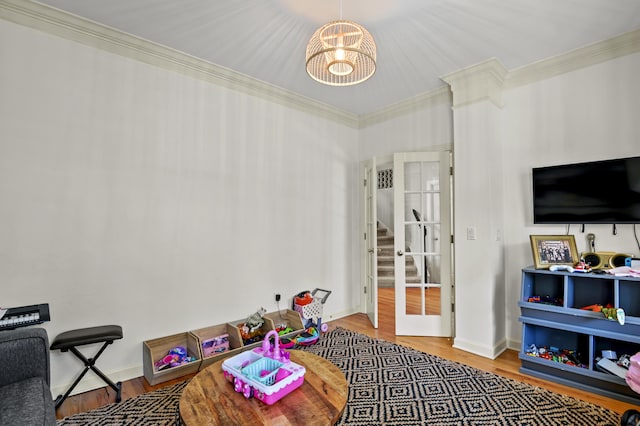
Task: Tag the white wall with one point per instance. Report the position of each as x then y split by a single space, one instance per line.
427 127
478 199
138 196
585 115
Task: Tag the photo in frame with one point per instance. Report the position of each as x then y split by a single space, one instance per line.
551 250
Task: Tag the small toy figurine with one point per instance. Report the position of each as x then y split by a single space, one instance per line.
255 321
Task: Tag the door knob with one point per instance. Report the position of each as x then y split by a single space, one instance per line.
371 250
400 252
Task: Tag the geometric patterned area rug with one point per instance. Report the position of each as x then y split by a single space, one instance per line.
390 384
157 408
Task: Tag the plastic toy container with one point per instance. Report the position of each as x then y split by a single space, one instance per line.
265 373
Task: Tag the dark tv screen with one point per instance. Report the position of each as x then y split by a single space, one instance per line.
595 192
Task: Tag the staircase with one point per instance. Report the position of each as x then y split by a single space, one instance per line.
386 258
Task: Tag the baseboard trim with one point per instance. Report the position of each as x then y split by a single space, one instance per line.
491 352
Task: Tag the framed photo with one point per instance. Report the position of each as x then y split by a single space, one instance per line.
553 250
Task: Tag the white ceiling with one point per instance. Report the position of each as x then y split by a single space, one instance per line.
418 40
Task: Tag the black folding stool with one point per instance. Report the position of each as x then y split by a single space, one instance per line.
68 341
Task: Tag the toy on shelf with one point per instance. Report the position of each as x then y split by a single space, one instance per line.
251 329
582 266
563 356
310 308
215 345
265 373
609 312
175 357
545 300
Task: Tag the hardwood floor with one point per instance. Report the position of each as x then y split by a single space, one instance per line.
506 365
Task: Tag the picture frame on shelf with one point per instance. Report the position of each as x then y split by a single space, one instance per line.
551 250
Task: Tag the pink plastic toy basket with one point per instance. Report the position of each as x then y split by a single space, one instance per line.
265 373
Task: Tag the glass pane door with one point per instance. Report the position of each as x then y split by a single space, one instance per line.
423 293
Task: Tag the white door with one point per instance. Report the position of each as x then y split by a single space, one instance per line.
422 222
371 241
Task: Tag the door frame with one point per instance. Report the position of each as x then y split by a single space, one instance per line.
363 258
370 246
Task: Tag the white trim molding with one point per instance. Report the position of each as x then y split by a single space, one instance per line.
480 82
480 349
438 96
622 45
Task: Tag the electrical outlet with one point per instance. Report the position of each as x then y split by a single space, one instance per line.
277 297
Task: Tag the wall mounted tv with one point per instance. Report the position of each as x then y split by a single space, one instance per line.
584 193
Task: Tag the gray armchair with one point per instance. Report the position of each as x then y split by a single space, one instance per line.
25 395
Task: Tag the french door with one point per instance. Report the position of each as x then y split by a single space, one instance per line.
422 243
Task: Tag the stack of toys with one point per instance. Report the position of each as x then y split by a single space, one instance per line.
175 357
564 356
546 300
215 345
251 329
609 312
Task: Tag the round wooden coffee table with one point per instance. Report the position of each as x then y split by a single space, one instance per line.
209 399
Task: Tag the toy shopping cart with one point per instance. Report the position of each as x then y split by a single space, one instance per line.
310 307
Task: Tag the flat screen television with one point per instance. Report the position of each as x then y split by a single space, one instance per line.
585 193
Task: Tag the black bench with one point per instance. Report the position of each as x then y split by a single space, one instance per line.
69 340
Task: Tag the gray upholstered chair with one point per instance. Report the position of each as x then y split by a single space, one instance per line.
25 395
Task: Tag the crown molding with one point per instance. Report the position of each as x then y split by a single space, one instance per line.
486 81
616 47
438 96
74 28
480 82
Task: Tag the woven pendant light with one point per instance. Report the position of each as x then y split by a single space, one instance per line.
341 53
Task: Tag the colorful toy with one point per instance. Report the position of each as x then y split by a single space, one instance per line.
265 373
215 345
308 337
582 266
175 357
563 356
545 300
609 312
